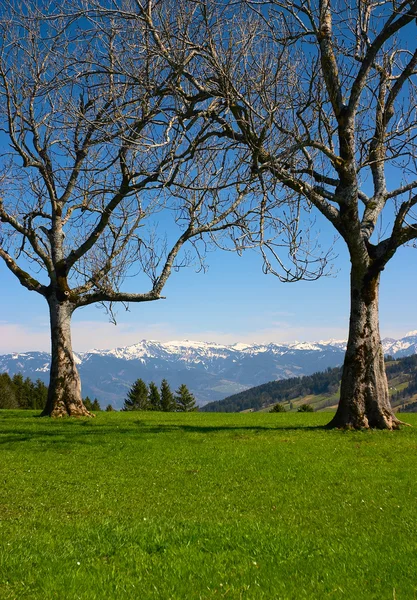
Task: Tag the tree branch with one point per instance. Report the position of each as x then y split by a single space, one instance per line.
27 233
24 278
391 27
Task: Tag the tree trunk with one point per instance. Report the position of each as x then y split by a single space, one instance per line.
364 398
64 393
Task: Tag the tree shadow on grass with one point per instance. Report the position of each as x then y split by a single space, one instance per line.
85 435
100 436
165 428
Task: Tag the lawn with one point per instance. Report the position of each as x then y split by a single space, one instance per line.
205 505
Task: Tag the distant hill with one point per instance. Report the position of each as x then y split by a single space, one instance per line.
321 390
210 371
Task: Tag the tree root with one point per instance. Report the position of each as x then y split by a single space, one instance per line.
62 410
389 423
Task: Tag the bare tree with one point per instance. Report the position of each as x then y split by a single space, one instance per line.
205 43
322 95
343 140
100 147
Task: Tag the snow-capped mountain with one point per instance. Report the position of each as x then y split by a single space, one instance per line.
190 351
211 371
404 347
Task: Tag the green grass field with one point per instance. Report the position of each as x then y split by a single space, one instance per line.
205 505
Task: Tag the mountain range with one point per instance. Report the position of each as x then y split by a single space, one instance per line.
211 371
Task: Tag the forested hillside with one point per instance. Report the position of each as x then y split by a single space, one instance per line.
402 375
321 389
17 392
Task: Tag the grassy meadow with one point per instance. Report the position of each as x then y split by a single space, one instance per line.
205 505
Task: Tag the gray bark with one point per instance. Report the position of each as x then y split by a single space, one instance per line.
364 397
64 393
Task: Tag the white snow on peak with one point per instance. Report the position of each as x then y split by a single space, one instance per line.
304 346
154 349
398 346
196 351
188 343
77 358
193 350
17 355
387 343
241 347
191 344
332 342
252 348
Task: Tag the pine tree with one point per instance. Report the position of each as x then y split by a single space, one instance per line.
109 408
137 397
167 397
18 384
305 408
25 400
88 404
184 399
277 408
39 395
96 405
7 392
22 393
154 397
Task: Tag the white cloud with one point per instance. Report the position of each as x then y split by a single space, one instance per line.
20 338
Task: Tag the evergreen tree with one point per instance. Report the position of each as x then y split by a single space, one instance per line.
18 384
305 408
22 393
137 397
154 397
96 405
185 401
7 392
109 408
88 404
277 408
39 395
167 397
26 393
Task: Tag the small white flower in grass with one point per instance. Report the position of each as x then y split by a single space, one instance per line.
78 563
254 562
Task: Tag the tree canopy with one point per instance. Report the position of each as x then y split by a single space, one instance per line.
109 167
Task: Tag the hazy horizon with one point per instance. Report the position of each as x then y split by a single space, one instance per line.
233 302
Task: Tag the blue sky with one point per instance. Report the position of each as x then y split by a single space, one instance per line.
233 301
